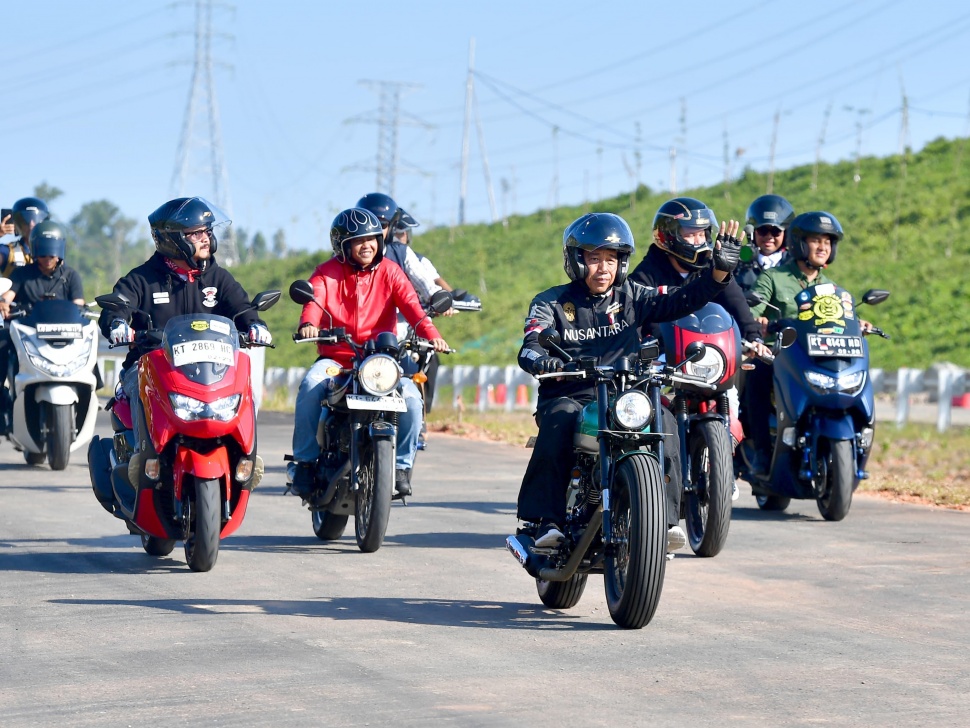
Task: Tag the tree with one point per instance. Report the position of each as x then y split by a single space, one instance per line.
101 248
48 193
257 248
279 243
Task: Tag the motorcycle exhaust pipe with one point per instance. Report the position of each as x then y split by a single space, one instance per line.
570 567
332 486
517 549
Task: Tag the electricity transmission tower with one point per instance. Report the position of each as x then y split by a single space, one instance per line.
202 115
389 118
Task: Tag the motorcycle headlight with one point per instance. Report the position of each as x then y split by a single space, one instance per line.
710 366
821 383
379 374
632 410
190 409
852 383
57 370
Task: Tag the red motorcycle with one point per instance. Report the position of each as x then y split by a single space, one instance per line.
708 342
192 478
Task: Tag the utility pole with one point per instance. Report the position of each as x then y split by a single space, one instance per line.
555 167
202 109
683 134
673 170
857 177
599 171
771 154
388 118
903 151
727 164
465 137
818 146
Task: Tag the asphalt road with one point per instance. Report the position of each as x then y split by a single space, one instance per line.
796 622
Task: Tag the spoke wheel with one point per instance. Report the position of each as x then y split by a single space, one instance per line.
374 492
708 505
636 563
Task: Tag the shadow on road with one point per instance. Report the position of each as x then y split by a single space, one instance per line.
434 612
347 543
489 507
756 514
93 560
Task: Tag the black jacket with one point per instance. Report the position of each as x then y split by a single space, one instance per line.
30 285
606 326
155 289
656 271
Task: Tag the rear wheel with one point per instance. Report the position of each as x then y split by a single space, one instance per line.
376 485
60 435
155 546
772 502
635 565
203 526
328 526
708 505
838 459
562 594
34 458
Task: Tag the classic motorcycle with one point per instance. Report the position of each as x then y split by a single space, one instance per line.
354 474
193 477
704 422
616 522
53 384
825 409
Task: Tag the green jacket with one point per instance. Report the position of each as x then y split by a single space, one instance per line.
779 286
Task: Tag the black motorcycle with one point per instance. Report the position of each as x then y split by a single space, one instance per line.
354 474
616 522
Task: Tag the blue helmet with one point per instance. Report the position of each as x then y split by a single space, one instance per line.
49 238
593 231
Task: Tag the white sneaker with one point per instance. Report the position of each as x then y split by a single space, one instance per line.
735 491
549 536
676 538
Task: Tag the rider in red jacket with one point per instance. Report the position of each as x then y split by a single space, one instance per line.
361 291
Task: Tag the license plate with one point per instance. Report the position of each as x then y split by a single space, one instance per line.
836 346
369 402
197 352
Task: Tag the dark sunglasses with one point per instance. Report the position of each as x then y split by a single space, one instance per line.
769 230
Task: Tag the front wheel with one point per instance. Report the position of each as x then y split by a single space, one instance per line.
60 434
155 546
708 504
839 459
636 563
328 526
562 594
375 486
202 526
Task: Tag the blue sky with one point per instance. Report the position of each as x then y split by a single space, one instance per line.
97 94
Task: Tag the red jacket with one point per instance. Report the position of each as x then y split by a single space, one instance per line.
365 302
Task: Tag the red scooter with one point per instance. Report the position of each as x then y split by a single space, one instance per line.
192 478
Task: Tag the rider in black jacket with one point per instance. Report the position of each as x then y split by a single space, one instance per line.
182 277
598 314
672 261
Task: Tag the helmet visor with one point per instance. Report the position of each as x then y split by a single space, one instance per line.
191 215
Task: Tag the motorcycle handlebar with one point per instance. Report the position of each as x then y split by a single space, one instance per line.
749 347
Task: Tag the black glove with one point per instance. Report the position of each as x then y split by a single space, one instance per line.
726 256
547 365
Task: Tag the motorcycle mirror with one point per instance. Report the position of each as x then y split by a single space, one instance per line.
549 339
874 296
5 284
788 337
695 350
301 292
441 301
266 299
114 302
459 294
753 298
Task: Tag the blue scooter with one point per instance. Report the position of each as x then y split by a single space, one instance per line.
824 405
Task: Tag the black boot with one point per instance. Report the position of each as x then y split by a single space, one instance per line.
303 480
402 481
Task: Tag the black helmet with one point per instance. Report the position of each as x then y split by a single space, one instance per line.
769 210
170 221
813 223
383 206
403 223
594 231
28 210
48 238
357 222
677 214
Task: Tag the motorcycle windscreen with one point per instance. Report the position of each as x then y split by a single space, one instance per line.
56 320
827 324
201 346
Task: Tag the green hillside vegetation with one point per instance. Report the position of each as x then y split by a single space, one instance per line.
906 231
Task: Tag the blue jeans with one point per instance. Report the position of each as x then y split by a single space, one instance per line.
310 411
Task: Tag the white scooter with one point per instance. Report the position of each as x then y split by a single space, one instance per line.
53 392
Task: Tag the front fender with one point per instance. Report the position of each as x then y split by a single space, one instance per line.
56 394
835 428
213 465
